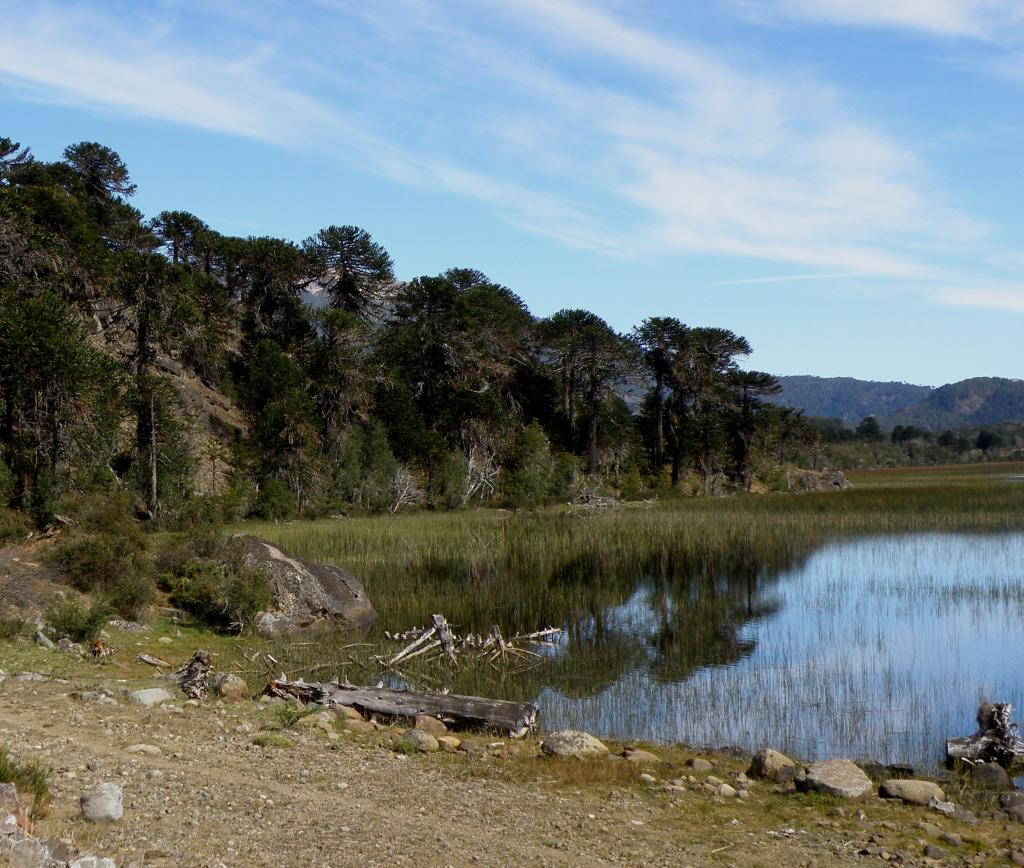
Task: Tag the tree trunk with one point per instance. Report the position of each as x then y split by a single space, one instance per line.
152 454
659 422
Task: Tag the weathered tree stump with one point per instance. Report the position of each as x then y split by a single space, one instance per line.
997 740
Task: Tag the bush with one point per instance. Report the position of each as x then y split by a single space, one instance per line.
72 618
226 595
6 484
12 526
28 779
275 501
110 565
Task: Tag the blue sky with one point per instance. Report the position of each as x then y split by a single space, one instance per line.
837 180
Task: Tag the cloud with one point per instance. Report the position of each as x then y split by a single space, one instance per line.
1009 298
789 278
990 20
558 115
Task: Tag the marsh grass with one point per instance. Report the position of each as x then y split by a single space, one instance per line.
700 620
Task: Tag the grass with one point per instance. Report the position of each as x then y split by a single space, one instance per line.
29 779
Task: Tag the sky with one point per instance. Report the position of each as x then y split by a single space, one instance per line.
836 180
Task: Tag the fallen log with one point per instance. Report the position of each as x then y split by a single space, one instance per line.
997 739
194 675
516 718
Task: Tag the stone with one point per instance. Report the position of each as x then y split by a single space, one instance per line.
449 743
416 741
147 749
229 687
42 640
699 764
641 757
91 862
770 765
725 791
306 595
838 777
879 772
11 806
150 697
990 776
911 791
103 802
427 723
66 646
573 743
360 726
1011 800
953 810
951 838
346 712
933 852
128 626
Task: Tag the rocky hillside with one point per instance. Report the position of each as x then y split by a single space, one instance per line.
846 398
978 401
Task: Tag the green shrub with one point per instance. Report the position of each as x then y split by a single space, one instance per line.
28 779
80 623
6 484
130 594
224 594
11 627
12 526
101 563
275 502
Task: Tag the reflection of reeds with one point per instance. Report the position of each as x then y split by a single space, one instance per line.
664 607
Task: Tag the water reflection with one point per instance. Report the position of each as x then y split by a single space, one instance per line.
878 647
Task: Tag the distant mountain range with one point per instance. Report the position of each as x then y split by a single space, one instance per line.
978 401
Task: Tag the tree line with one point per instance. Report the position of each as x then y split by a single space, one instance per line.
438 391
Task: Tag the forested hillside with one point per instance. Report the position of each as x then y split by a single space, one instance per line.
978 401
157 357
846 398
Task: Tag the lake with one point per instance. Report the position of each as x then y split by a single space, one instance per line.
878 647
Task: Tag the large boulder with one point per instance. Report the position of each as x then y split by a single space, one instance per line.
837 777
911 791
773 766
306 595
573 743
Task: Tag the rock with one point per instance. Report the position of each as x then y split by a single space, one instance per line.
306 594
426 723
725 791
641 757
990 776
103 802
91 862
810 480
30 676
229 687
837 778
323 721
11 806
42 640
360 726
128 626
770 765
147 749
416 741
879 772
449 743
573 743
911 791
66 646
346 712
951 838
1011 800
953 810
150 697
699 764
933 852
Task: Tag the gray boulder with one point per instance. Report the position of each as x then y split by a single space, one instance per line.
912 792
149 698
773 766
229 687
416 741
306 595
103 802
573 743
838 777
990 776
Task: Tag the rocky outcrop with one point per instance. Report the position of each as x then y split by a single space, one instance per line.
306 595
811 480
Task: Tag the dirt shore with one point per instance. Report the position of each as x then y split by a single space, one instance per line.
212 796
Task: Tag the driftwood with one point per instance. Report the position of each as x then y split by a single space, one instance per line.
492 647
997 739
516 718
152 661
194 675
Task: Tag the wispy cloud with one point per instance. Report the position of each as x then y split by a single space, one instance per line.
973 19
789 278
1007 298
562 117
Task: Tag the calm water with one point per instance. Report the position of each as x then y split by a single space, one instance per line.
874 648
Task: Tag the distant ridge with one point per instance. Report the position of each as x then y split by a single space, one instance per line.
847 398
973 402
